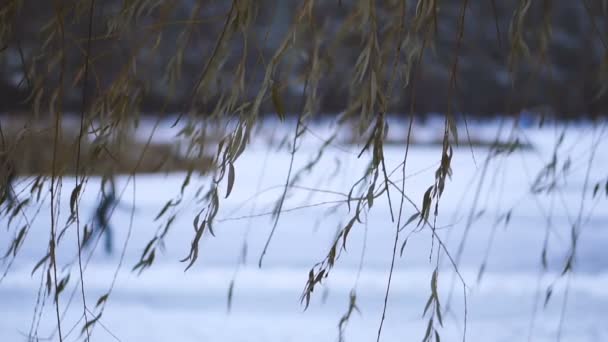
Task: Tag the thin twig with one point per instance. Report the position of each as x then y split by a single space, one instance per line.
287 180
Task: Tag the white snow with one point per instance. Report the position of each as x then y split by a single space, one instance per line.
165 303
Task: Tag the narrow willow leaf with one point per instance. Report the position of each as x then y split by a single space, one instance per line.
434 283
19 239
277 102
230 293
61 286
346 230
548 296
306 298
102 299
163 210
220 146
482 270
230 179
186 181
241 148
90 323
49 281
243 258
18 209
215 201
402 248
438 313
331 258
151 257
358 211
74 198
429 327
148 246
426 206
210 226
196 219
428 304
41 262
193 255
370 196
368 143
350 195
410 220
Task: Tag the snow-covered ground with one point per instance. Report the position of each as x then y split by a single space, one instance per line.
165 303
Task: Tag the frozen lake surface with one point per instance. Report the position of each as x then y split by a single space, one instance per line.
165 303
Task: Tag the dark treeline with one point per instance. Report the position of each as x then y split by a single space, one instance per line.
559 71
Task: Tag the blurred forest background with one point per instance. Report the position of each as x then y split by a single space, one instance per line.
559 70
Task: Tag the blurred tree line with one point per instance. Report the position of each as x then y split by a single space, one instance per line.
547 55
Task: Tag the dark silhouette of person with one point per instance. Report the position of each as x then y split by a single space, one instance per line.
103 212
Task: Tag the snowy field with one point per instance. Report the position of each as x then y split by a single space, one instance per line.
507 304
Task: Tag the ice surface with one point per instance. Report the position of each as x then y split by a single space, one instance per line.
166 304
